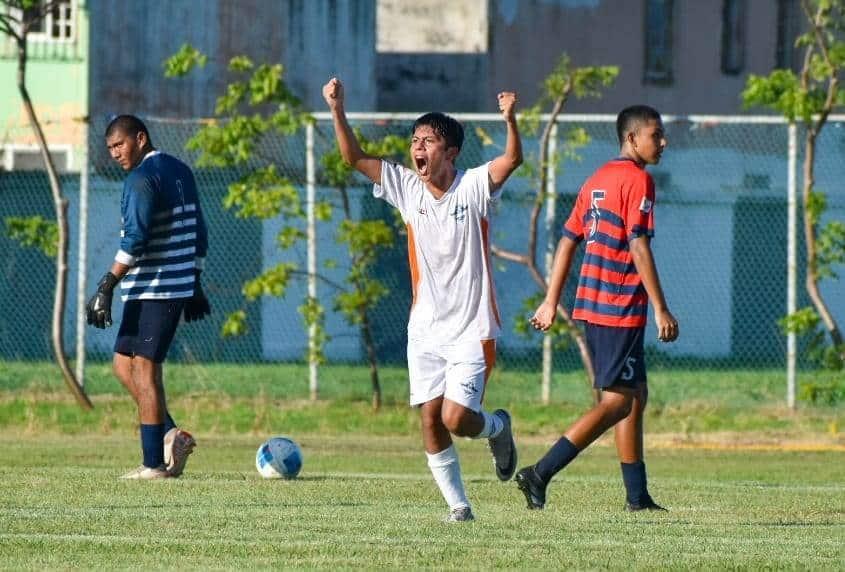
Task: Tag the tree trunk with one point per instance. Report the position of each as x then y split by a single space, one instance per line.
366 328
367 331
60 204
572 328
812 280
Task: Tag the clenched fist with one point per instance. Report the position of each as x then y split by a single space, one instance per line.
333 93
507 104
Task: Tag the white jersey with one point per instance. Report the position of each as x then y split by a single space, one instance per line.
449 254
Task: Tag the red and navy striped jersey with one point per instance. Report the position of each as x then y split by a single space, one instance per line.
613 206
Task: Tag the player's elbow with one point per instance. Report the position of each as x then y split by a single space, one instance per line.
639 247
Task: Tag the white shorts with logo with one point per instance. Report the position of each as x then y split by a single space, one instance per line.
457 372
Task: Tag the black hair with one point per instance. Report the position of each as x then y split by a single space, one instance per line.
447 127
630 118
129 125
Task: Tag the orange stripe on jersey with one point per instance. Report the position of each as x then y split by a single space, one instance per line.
485 230
412 263
489 349
612 298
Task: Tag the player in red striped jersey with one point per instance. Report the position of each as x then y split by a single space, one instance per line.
614 216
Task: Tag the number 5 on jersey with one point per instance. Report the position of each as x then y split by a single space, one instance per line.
595 212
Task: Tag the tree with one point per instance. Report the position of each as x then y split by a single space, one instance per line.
256 106
260 106
365 239
565 81
808 98
17 18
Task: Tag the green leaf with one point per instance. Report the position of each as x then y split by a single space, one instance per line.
288 236
323 211
34 232
264 194
272 282
482 135
183 61
313 315
802 321
830 249
240 64
234 325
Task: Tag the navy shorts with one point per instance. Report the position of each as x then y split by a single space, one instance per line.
617 354
147 328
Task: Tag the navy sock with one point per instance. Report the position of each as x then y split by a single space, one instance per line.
169 423
152 444
636 489
560 455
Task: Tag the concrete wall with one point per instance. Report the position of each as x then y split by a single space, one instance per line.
432 54
528 37
403 56
313 39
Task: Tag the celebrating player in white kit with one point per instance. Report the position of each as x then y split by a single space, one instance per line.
454 321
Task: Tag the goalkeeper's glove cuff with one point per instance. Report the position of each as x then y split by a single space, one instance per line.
107 283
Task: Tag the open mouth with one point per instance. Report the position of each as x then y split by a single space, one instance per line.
421 164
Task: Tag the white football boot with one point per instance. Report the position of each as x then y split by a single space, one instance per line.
144 473
178 444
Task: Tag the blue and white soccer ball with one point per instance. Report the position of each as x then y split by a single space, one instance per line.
278 458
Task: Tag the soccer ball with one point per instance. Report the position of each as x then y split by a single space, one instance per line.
278 458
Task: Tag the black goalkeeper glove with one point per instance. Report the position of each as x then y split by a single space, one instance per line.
197 306
98 308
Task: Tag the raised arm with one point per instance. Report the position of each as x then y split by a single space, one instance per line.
348 144
502 166
667 325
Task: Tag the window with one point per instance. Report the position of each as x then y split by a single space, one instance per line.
733 36
18 157
789 22
57 25
658 41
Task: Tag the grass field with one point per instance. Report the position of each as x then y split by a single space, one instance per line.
225 399
749 484
369 502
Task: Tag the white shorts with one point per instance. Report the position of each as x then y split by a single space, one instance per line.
457 372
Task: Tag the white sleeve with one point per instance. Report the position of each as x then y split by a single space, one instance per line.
394 185
484 194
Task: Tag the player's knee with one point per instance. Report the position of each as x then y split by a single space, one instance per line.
452 420
121 369
143 369
617 406
430 421
625 409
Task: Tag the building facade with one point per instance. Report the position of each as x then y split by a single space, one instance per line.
57 81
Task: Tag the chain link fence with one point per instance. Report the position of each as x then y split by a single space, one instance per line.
720 245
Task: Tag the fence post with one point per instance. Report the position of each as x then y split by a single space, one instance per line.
82 258
311 233
791 260
551 207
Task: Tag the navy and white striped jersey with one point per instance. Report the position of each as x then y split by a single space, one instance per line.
163 234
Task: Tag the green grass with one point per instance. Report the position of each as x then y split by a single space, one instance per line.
369 502
261 399
750 484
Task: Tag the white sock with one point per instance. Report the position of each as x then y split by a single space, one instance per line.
447 474
493 425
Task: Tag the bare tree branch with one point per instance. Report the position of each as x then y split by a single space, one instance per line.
508 255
